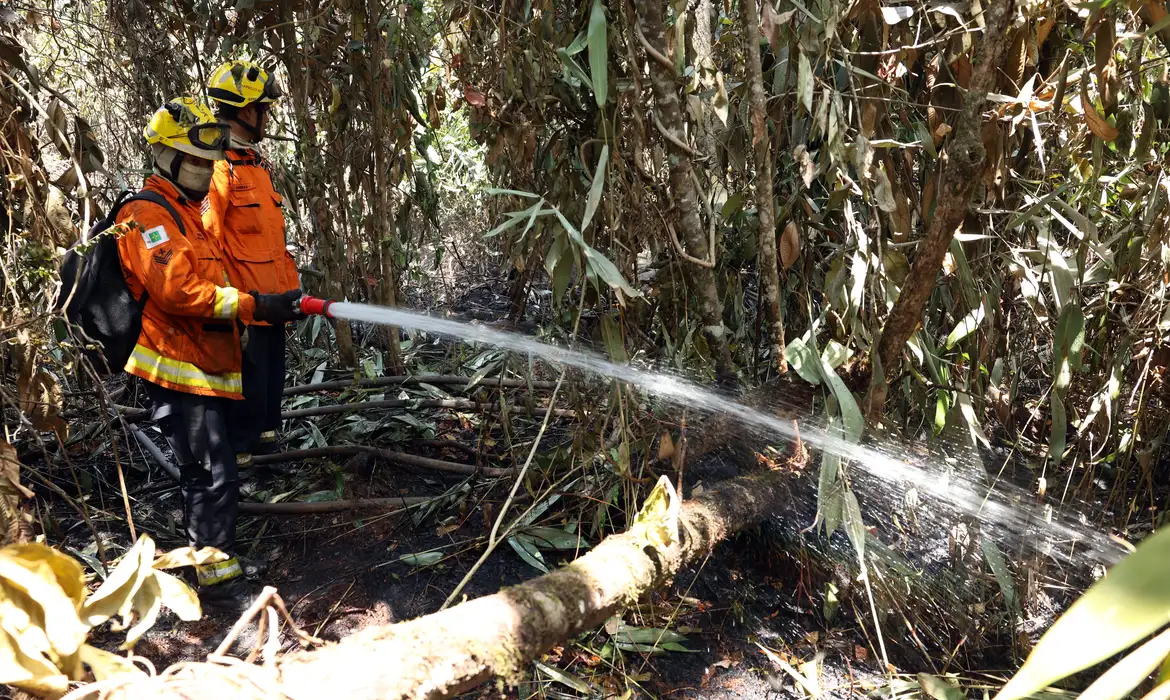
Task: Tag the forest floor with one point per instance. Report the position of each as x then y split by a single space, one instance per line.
340 573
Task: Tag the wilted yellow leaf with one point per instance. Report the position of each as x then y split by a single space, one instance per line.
34 674
189 556
66 570
106 665
37 609
178 596
116 595
147 603
10 471
789 245
658 518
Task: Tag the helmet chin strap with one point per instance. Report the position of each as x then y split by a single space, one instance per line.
254 129
170 171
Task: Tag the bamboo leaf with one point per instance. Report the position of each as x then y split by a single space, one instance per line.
804 360
937 688
805 83
565 679
598 53
106 666
178 596
1126 674
189 556
966 327
596 188
854 526
1058 439
1003 576
1129 604
528 552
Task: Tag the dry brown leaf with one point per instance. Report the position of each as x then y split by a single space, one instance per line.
789 245
1096 123
949 264
1044 30
10 472
40 400
770 26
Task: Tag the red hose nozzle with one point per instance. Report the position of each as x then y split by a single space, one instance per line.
312 306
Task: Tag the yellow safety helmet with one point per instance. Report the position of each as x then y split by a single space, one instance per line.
187 125
240 83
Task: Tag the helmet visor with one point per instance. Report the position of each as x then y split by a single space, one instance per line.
213 137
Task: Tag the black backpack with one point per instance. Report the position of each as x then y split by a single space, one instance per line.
103 314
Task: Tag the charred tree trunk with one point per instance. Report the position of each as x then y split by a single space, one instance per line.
449 652
382 227
315 182
963 165
668 118
767 261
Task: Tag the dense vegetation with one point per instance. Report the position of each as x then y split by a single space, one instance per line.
940 221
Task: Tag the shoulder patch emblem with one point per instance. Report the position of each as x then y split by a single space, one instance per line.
155 237
162 257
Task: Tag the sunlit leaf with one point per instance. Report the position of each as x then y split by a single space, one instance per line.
854 526
1003 576
937 688
804 360
421 558
966 327
528 552
552 538
805 83
106 666
1126 606
178 596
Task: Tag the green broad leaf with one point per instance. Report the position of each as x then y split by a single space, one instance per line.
565 679
611 334
578 44
1126 674
850 412
835 354
421 558
527 550
942 404
967 326
832 601
518 193
559 247
598 53
571 69
937 688
599 265
834 510
1129 604
827 480
854 526
926 139
654 636
802 359
732 206
1068 344
596 188
552 538
1003 576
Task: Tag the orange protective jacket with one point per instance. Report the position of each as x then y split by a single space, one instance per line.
246 214
189 340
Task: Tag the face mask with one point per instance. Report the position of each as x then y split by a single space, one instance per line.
195 179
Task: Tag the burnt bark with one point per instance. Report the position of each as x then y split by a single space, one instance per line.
682 184
963 163
382 235
767 261
449 652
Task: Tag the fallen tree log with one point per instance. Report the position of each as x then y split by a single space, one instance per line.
456 381
443 654
402 458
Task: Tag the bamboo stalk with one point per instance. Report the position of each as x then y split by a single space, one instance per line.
388 455
302 508
437 379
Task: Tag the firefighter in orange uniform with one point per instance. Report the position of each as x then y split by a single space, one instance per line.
188 352
245 213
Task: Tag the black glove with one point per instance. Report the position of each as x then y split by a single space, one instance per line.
277 308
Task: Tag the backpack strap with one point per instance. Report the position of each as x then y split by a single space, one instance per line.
153 198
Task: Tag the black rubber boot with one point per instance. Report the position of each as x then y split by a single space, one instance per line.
232 596
253 568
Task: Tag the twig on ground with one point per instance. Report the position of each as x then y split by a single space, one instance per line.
306 508
455 380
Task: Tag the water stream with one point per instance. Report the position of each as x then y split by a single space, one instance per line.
1006 513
